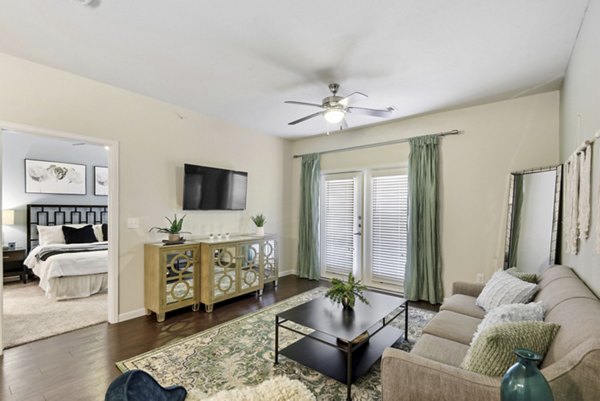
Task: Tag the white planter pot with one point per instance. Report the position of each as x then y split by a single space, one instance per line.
260 231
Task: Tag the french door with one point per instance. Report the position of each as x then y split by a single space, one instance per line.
364 226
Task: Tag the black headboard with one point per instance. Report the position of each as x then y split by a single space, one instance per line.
55 215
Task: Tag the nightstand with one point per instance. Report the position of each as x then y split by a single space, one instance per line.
12 262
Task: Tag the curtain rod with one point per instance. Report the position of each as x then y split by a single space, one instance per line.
372 145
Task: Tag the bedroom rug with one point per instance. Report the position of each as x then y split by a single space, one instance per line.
30 316
240 353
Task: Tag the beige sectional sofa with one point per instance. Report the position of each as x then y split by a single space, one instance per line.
431 372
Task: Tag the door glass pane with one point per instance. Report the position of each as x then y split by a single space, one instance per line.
339 222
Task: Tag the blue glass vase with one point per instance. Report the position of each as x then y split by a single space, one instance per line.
523 381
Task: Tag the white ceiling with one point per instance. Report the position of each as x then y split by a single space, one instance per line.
239 60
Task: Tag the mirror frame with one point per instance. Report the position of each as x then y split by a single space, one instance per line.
509 214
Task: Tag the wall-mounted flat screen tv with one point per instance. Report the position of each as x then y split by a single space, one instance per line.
209 188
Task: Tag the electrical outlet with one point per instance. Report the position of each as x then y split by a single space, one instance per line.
479 278
133 222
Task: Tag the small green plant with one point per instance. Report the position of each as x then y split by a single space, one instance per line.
347 292
175 228
259 220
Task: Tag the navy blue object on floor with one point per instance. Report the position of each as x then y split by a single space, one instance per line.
137 385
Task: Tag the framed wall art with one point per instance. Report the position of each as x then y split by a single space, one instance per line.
100 181
46 177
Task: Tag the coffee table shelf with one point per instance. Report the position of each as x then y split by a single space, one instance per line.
331 361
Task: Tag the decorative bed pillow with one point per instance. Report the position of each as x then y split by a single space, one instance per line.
505 289
531 312
98 232
83 235
50 235
492 353
529 277
105 232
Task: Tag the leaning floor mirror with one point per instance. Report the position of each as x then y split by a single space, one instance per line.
532 221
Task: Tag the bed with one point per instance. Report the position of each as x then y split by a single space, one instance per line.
68 270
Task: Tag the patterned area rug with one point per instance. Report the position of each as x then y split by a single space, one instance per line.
241 353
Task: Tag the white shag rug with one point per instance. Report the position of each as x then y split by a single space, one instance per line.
30 316
279 388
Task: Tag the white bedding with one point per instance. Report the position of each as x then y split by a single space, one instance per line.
65 265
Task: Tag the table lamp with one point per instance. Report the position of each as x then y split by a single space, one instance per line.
8 218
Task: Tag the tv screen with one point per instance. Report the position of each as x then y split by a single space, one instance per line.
209 188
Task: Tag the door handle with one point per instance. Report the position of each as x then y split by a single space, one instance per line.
358 233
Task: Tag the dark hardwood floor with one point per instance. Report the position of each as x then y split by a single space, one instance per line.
81 364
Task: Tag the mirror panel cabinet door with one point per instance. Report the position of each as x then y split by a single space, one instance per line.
224 267
532 221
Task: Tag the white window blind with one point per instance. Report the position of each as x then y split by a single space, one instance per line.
389 228
339 225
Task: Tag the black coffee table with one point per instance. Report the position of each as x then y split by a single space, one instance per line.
330 348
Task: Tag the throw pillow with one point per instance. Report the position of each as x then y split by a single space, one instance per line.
83 235
505 289
531 312
529 277
50 235
492 353
105 231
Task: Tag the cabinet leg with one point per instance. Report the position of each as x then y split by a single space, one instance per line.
196 307
160 317
208 308
148 312
275 283
259 292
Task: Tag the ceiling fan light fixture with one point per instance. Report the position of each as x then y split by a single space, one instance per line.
334 116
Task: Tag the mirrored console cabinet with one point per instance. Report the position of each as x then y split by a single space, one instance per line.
207 272
171 278
236 266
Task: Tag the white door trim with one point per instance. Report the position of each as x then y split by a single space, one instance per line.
113 208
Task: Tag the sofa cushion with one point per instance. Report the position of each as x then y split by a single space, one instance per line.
561 290
440 349
452 326
554 273
492 353
580 321
464 304
505 289
533 311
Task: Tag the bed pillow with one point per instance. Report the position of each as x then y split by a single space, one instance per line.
105 231
531 312
83 235
492 353
529 277
504 288
98 232
50 235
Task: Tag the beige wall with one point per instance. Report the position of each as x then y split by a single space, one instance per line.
498 138
580 119
154 143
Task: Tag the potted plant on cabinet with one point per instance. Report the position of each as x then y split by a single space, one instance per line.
347 292
259 221
174 230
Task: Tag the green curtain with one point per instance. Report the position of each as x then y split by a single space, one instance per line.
423 276
309 265
516 220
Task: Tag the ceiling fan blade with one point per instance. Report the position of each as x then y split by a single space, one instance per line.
303 103
345 100
306 118
343 124
371 112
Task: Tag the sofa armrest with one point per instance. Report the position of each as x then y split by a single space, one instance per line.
470 289
409 377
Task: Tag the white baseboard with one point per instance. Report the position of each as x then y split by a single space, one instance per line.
132 314
287 273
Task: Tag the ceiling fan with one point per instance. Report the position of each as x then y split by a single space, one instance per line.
336 107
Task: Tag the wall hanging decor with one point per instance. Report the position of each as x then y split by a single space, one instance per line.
100 180
47 177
